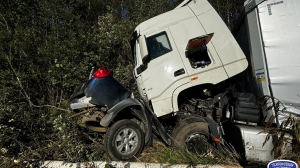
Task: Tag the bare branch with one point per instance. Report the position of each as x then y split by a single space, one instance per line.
57 108
92 139
24 92
6 25
20 83
77 114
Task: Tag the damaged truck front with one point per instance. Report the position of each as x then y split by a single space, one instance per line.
187 63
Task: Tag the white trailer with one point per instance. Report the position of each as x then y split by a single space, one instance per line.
269 35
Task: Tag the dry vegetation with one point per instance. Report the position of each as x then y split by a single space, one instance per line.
159 153
288 131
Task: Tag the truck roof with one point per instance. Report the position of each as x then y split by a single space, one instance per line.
183 11
163 20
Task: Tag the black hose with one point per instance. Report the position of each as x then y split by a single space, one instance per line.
159 127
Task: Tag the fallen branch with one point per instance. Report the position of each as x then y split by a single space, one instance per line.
57 108
77 114
92 139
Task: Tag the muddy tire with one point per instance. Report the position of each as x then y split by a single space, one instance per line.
192 134
124 139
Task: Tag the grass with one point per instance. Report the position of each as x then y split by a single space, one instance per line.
159 153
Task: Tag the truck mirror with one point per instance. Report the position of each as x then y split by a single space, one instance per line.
141 68
143 49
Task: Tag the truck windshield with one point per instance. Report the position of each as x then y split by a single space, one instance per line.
133 47
158 45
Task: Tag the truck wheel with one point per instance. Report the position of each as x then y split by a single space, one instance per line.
192 135
123 140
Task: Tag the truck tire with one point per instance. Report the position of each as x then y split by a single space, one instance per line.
123 140
192 134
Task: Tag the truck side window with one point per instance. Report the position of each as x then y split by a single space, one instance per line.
199 57
158 45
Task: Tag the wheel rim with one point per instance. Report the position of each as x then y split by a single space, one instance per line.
196 142
126 141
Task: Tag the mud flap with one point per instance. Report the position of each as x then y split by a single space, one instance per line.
160 129
215 134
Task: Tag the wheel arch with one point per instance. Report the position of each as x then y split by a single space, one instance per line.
191 119
121 108
129 109
188 91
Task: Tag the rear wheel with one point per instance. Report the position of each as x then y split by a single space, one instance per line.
192 134
124 139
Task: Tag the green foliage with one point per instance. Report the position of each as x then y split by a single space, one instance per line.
46 49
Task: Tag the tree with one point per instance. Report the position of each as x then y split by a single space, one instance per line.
229 10
40 42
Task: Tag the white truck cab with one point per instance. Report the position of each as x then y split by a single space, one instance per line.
180 49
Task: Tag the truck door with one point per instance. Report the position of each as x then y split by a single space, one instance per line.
202 62
164 70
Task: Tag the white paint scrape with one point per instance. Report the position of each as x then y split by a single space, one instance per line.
114 164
